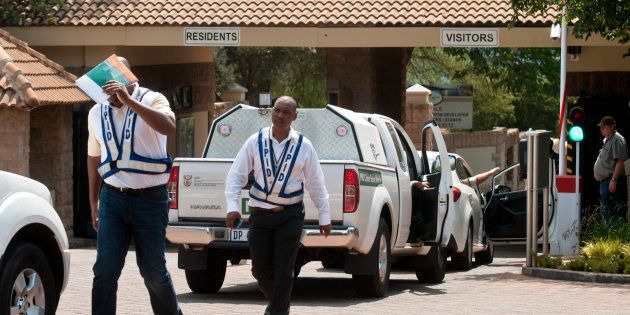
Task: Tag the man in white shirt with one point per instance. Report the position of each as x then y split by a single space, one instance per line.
284 163
127 150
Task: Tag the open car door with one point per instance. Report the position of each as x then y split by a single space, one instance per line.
505 213
431 221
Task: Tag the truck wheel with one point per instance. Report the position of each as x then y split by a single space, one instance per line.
27 284
464 260
437 261
209 280
375 285
485 256
333 262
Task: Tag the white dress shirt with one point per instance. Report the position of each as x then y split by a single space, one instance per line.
306 170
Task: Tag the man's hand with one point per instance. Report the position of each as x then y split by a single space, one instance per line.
612 186
118 89
420 185
94 208
232 218
325 229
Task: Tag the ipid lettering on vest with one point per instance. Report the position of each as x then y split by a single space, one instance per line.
120 154
276 172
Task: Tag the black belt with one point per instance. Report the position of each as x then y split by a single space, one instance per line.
259 209
274 209
149 191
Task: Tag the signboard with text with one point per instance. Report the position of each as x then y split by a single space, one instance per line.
212 36
469 37
455 109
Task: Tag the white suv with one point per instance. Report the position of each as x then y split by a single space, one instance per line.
34 254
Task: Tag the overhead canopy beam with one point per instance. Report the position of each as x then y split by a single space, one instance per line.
284 36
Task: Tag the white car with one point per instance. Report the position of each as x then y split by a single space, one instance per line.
34 253
469 205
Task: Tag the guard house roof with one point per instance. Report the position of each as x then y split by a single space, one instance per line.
28 79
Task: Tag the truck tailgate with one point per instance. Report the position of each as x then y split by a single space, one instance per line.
201 193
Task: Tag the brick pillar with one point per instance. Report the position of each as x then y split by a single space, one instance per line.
51 158
418 110
351 74
14 140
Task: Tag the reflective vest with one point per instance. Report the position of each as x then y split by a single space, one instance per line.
120 154
276 173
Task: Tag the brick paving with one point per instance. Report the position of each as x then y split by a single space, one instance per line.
498 288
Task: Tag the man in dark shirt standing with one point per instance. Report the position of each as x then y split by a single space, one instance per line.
609 170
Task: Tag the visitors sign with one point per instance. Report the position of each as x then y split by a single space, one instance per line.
469 37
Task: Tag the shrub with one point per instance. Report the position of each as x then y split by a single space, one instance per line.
548 261
595 228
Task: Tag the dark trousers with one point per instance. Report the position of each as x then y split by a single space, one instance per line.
143 217
614 205
274 238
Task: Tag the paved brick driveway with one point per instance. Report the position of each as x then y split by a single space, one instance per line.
498 288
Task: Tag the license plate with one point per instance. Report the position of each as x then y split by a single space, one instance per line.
238 235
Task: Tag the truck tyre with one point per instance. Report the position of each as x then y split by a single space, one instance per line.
485 256
209 280
464 260
375 285
27 284
437 260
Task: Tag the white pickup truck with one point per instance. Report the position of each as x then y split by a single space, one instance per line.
368 162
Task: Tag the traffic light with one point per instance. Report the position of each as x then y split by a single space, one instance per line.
575 122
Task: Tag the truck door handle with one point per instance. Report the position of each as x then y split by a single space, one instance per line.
504 198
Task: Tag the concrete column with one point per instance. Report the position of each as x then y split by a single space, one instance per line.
418 110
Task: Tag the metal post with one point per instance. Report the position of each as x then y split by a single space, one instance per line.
530 175
545 220
577 177
562 165
534 209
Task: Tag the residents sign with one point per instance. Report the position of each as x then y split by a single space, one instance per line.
212 36
469 37
456 107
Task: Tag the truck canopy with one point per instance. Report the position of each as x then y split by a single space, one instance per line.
336 133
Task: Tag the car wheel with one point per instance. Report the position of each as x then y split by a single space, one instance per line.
436 260
464 260
27 285
485 256
209 280
376 285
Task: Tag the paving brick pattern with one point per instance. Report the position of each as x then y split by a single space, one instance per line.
498 288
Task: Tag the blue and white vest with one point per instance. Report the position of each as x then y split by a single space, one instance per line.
120 154
276 173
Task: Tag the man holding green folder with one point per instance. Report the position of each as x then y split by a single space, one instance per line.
127 155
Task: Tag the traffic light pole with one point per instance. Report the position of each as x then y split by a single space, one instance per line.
577 178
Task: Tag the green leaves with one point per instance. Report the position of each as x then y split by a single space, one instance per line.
25 12
608 18
298 72
513 87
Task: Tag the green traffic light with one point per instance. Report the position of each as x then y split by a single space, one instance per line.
576 133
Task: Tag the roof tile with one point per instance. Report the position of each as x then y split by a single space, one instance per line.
332 13
31 79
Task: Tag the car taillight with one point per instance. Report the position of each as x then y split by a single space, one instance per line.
456 193
350 191
171 186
